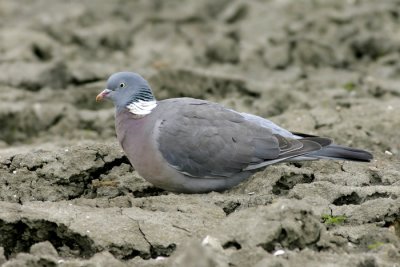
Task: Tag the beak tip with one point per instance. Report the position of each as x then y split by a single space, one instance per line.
99 98
102 95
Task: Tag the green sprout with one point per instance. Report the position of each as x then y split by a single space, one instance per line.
330 219
350 86
375 245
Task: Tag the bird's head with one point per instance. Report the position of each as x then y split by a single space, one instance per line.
129 90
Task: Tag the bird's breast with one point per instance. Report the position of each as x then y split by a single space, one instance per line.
131 134
138 140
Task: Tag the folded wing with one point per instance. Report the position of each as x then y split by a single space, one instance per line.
206 140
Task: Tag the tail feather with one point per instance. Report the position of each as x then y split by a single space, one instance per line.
338 152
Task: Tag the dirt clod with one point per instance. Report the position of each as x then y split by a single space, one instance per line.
70 197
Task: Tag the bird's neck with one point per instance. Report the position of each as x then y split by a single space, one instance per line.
141 103
141 107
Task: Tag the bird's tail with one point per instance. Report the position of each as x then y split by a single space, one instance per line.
338 152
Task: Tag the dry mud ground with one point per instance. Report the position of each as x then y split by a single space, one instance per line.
69 196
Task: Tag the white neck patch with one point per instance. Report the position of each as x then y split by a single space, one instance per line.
141 107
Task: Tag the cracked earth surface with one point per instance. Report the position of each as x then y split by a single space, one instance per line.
69 197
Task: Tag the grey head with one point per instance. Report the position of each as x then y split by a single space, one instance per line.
126 88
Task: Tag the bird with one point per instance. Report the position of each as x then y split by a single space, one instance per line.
188 145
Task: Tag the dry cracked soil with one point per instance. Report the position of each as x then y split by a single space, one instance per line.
69 197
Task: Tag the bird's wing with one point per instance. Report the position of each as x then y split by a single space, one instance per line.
276 129
204 139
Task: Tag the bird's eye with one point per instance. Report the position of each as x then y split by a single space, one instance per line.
122 85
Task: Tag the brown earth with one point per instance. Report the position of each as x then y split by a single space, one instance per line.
69 197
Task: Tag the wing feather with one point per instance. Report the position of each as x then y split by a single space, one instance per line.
204 139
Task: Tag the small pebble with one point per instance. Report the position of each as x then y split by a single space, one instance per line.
160 258
387 152
14 172
206 240
279 252
250 193
211 241
370 79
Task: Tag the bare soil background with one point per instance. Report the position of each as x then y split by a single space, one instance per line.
69 197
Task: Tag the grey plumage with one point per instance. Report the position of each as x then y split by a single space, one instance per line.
191 145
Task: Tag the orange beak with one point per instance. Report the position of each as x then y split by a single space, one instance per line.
102 95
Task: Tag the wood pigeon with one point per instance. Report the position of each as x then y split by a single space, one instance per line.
190 145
